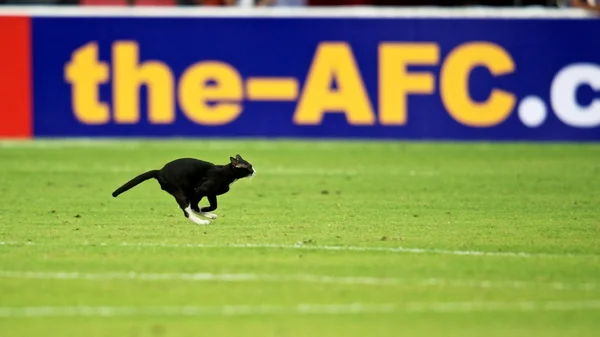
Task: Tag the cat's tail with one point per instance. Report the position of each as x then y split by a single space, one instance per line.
135 181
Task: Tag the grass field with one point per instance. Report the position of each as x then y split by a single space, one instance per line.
329 239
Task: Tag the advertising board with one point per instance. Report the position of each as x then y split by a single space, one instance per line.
425 78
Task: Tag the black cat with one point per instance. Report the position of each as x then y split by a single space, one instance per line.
189 180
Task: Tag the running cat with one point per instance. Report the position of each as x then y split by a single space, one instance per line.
189 180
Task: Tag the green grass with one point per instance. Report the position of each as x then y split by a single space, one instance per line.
542 200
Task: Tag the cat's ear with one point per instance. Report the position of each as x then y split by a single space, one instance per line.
238 157
236 163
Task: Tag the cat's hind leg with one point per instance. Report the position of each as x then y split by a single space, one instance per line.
188 212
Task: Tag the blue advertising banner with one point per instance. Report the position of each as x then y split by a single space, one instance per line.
399 78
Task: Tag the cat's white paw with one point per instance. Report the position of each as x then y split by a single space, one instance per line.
209 215
198 221
193 218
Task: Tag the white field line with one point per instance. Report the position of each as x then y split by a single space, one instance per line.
67 143
272 171
352 248
120 144
205 144
300 309
284 171
267 171
324 248
307 278
208 145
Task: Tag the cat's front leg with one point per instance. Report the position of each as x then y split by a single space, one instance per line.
208 215
199 212
191 215
212 199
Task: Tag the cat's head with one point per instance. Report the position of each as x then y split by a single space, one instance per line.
241 167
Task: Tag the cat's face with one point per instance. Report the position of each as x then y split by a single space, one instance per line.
241 167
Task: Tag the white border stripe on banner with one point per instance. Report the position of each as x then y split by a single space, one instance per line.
300 309
316 247
307 278
532 12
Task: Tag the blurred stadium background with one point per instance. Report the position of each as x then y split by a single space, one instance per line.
425 168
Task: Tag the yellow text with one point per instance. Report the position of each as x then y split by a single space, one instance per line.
212 93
